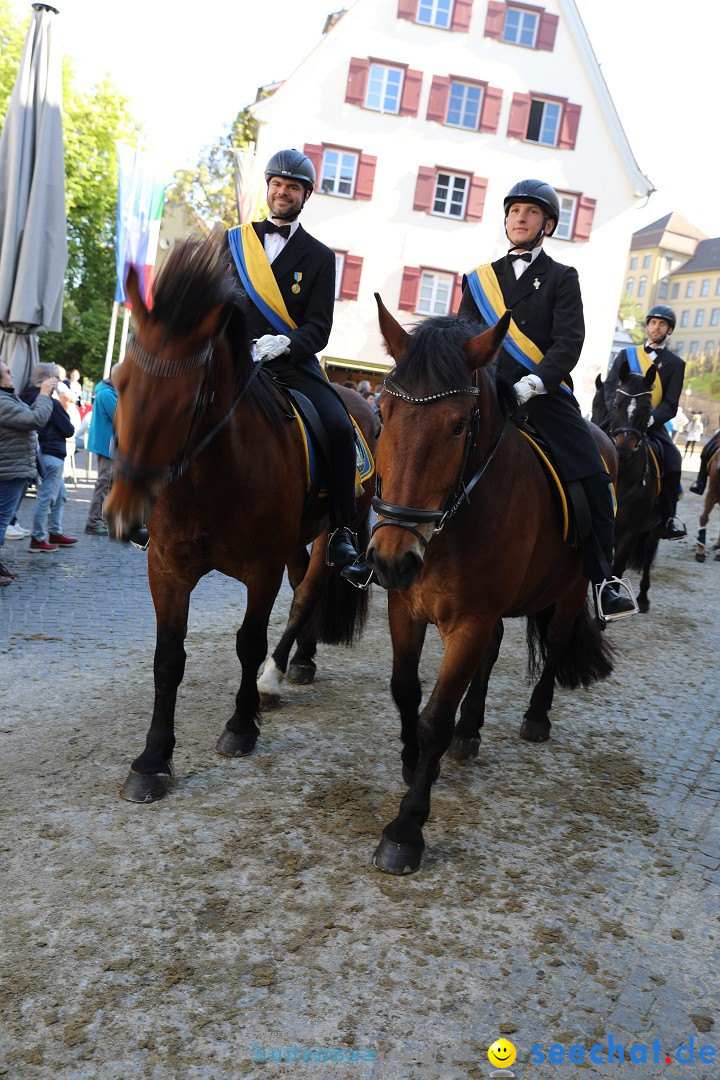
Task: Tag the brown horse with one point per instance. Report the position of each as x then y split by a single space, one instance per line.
210 455
712 498
468 534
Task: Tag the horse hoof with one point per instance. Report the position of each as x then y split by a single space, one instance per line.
231 745
462 749
717 557
398 859
145 789
643 606
535 730
269 701
301 674
700 557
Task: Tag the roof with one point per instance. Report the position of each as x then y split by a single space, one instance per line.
706 257
672 231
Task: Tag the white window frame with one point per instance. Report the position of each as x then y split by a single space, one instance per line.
455 180
566 224
526 25
705 287
465 89
335 173
434 16
547 106
433 285
642 286
685 318
689 290
633 262
339 271
630 285
715 317
694 348
646 262
699 317
382 72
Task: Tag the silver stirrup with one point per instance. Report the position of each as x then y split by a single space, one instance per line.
621 585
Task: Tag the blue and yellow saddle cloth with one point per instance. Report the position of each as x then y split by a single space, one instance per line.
487 294
257 277
639 362
364 463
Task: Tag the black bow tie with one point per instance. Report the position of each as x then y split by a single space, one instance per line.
653 348
271 227
526 256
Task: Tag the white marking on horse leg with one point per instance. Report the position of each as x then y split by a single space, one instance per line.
270 682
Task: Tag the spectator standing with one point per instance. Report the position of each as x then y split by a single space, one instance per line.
75 385
693 433
98 443
67 400
47 534
19 424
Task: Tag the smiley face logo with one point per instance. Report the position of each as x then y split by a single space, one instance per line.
502 1054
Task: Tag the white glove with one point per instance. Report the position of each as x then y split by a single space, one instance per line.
528 387
269 346
651 421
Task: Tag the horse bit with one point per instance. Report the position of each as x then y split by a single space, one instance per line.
407 517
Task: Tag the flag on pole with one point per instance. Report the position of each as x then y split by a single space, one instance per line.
248 186
141 194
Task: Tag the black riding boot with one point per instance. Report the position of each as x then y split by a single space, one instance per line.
669 496
599 550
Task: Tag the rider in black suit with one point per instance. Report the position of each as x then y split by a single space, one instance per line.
546 304
659 325
304 270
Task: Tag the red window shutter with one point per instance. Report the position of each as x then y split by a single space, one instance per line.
365 176
495 20
315 153
546 32
456 295
476 198
424 189
409 288
462 13
490 112
350 284
584 219
569 126
410 99
438 100
357 81
407 9
519 116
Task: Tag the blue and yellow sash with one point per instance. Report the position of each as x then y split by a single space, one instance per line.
257 277
487 294
639 362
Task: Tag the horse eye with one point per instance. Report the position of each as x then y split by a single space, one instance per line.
459 427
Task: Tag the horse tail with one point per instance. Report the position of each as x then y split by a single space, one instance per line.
341 612
584 657
643 548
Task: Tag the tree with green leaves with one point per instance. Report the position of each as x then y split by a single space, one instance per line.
629 309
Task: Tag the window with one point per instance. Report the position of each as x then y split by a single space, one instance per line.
675 290
699 316
642 286
694 347
663 289
546 120
450 195
629 284
633 263
646 261
685 318
717 287
705 287
520 26
347 275
339 267
435 13
384 88
568 208
690 289
679 347
715 316
435 293
463 109
709 347
338 173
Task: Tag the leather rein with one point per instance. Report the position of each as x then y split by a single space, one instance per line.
156 366
407 517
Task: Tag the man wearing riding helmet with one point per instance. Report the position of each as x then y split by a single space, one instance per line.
659 325
289 279
541 349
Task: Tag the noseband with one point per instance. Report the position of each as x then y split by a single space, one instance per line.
407 517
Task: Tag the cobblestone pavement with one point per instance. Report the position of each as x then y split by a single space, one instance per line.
568 895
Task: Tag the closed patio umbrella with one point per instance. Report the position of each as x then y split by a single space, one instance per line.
33 227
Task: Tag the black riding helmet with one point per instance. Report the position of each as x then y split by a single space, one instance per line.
662 311
293 164
544 196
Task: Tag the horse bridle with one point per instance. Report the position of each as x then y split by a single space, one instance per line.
628 429
160 368
407 517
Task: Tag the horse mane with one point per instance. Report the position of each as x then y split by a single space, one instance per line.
435 361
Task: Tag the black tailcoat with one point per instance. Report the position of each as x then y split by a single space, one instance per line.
547 306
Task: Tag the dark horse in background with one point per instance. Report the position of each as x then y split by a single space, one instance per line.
209 453
712 498
469 533
638 525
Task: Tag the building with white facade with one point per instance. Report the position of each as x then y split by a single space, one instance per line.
419 116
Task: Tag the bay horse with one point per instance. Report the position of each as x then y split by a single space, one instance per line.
210 455
468 534
639 523
712 498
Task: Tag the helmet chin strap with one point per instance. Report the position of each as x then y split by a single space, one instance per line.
530 244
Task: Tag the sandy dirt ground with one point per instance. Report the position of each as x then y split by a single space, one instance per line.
569 890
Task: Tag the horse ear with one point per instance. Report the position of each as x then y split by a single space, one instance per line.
624 373
650 376
483 348
132 291
396 339
598 381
